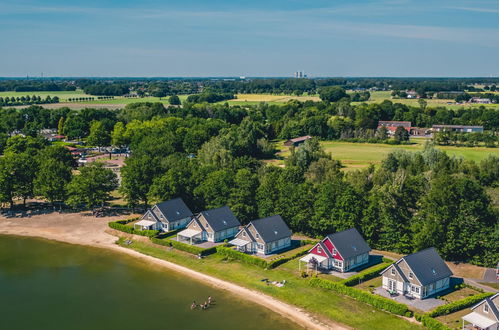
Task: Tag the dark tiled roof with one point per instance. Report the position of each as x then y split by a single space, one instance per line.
271 228
427 266
221 218
174 209
349 243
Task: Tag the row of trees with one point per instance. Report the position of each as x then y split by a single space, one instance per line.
27 100
466 139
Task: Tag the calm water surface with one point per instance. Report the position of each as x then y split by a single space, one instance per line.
50 285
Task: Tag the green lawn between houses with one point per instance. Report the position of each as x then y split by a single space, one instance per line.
360 155
297 291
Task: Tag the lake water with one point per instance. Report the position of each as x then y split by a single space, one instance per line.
50 285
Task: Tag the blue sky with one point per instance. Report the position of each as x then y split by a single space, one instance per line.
250 38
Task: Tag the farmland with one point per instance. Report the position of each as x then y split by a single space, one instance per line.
360 155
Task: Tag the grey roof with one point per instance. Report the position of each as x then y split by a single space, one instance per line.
221 218
271 228
174 209
428 266
493 306
349 243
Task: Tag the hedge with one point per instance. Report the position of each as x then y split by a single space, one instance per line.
252 260
366 297
365 275
184 247
459 304
120 225
431 323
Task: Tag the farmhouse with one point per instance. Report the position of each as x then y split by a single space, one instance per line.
392 125
297 141
458 128
263 236
341 251
419 275
166 216
484 315
212 226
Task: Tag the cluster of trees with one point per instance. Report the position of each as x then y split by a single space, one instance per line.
210 97
30 167
81 99
27 100
466 139
109 89
465 97
36 85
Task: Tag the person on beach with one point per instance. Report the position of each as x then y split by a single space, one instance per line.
209 300
194 305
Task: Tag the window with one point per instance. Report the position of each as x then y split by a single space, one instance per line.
319 249
393 271
260 246
411 275
334 251
257 236
244 234
194 225
415 289
207 225
486 308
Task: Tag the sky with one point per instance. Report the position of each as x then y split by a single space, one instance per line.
199 38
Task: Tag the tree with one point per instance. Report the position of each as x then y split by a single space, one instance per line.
118 136
174 100
60 126
98 136
138 175
422 104
382 133
332 93
55 172
401 134
242 199
92 186
216 188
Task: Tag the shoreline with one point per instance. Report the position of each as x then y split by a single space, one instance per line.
94 234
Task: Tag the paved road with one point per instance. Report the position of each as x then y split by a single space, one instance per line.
490 276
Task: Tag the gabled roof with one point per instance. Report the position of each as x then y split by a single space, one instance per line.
174 210
349 243
301 138
221 218
397 268
427 266
271 228
490 302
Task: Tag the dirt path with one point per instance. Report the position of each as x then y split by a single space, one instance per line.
87 230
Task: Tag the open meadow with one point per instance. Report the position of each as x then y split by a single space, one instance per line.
380 96
270 98
360 155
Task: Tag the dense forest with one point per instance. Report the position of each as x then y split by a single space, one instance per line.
172 86
211 155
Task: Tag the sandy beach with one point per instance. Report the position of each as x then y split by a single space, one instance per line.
87 230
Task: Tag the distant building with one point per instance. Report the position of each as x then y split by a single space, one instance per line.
297 141
411 94
480 100
300 74
392 125
457 128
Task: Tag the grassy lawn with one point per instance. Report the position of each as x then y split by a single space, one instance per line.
459 294
453 320
247 99
360 155
297 291
493 285
63 96
371 284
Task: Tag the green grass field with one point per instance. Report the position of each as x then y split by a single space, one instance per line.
380 96
63 96
297 291
360 155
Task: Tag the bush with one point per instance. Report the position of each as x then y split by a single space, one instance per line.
459 304
360 295
184 247
365 275
431 323
120 225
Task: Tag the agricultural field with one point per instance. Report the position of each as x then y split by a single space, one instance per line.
62 95
269 98
380 96
360 155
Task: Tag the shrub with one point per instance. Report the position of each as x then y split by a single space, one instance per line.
459 304
365 275
431 323
252 260
366 297
120 225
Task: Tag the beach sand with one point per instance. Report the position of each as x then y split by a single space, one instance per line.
84 229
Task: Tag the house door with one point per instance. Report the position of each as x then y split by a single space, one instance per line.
392 285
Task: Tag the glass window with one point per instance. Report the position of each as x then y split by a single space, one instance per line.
319 249
486 308
393 271
257 236
244 234
411 275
